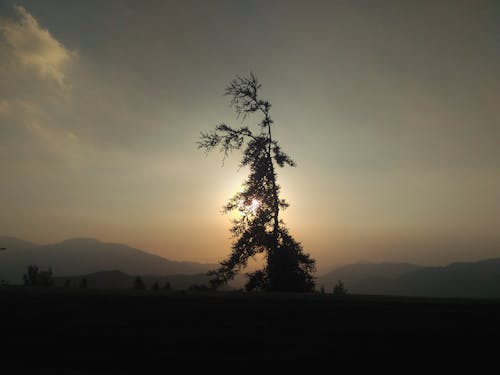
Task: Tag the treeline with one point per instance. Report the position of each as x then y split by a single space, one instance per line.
37 277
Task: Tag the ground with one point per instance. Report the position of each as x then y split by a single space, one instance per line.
112 331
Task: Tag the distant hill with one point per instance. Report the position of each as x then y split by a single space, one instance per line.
352 274
121 280
469 280
83 256
15 243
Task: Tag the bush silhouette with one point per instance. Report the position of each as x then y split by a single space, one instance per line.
155 286
37 277
167 286
339 289
139 283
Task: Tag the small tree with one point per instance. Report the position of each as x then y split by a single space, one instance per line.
167 286
155 287
339 289
67 283
37 277
259 230
139 283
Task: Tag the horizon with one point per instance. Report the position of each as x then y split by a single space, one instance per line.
389 109
325 272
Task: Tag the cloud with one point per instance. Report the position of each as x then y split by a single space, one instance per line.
35 86
29 46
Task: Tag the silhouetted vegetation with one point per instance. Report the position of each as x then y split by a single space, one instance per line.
259 230
139 283
155 287
339 289
37 277
167 286
67 283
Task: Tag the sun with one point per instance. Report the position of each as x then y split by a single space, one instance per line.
253 207
247 209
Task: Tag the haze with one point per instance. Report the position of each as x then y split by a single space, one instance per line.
390 109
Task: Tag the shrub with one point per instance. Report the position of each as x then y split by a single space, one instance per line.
339 289
37 277
139 283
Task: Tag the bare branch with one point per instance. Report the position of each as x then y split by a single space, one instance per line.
225 137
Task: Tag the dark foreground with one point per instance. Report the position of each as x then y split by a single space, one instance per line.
100 331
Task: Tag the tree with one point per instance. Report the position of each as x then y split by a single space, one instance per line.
155 287
339 289
167 286
139 283
37 277
259 230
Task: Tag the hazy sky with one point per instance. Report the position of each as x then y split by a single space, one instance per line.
390 108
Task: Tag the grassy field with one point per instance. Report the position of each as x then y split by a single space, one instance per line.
113 331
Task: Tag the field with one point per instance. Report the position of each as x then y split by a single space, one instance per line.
98 331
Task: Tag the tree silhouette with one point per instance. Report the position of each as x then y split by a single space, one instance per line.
37 277
155 287
167 286
139 283
259 230
339 289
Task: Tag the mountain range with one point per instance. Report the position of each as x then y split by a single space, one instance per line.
110 265
81 256
461 280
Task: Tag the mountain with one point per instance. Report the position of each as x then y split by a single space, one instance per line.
354 273
85 255
461 280
121 280
14 243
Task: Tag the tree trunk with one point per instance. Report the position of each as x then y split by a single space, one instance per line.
272 261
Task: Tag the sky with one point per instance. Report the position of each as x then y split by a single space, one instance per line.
389 108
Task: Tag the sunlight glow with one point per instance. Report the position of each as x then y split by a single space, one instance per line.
247 209
253 207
